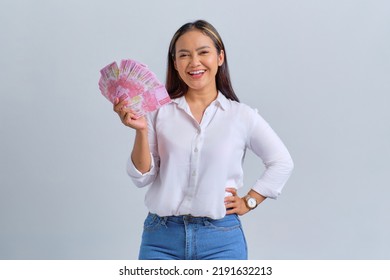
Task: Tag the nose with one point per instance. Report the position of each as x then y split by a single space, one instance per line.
195 61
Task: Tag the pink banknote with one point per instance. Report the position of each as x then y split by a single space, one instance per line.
140 86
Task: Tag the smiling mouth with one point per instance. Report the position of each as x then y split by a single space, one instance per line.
197 73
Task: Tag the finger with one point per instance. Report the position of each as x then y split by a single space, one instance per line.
233 191
122 97
120 105
130 114
117 101
230 199
123 116
231 203
127 109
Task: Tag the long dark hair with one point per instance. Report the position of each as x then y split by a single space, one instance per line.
175 86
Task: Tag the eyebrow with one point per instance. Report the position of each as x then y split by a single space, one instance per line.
198 49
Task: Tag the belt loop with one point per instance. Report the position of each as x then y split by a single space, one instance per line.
164 221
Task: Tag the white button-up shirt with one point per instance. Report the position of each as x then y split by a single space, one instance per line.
193 164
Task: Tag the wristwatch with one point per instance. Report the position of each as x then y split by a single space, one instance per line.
250 202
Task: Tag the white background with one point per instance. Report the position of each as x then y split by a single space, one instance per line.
318 71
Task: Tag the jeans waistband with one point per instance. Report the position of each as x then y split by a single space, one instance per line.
194 220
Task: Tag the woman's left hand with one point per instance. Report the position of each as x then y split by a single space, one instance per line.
235 204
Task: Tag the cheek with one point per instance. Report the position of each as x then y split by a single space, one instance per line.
181 70
178 66
213 62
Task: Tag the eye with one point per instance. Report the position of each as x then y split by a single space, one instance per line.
204 52
183 55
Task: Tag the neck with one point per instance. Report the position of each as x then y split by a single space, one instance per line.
201 97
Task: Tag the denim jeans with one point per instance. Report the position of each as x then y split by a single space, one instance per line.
192 238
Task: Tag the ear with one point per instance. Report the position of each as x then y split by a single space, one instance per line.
221 58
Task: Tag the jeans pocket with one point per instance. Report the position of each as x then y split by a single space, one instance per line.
230 222
152 222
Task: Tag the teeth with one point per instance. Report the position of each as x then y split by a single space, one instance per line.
197 72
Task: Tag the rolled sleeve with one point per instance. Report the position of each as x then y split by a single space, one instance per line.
266 144
142 179
271 183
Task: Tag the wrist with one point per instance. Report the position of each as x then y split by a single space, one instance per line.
141 131
250 202
259 198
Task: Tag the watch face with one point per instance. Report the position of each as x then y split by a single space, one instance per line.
252 202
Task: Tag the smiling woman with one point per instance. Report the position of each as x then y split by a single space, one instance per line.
213 43
197 62
190 153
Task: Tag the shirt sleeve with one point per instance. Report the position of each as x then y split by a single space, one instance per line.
145 179
266 144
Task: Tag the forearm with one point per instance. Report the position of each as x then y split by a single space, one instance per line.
141 152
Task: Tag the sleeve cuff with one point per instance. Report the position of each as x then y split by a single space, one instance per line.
135 173
268 193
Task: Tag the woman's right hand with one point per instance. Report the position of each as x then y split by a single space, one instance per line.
128 116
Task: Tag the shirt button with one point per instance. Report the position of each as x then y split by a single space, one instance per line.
193 173
196 150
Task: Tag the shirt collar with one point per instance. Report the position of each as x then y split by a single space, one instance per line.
220 101
181 102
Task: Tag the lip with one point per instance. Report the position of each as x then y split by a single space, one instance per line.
197 72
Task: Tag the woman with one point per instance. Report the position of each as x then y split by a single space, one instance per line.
190 154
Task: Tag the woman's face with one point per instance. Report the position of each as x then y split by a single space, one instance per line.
197 61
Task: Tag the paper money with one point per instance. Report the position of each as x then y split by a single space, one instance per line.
140 86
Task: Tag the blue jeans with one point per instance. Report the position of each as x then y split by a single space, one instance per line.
192 238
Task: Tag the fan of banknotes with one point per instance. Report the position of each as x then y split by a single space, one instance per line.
140 86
